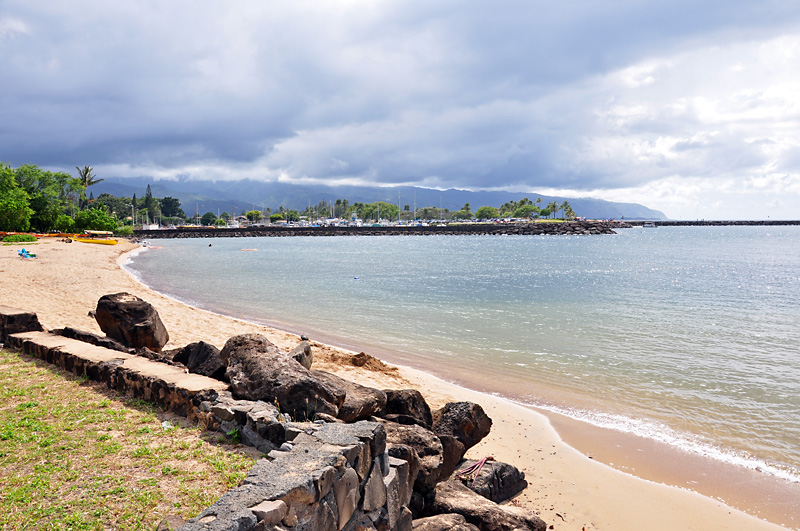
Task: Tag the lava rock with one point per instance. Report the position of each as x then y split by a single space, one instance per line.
496 481
454 497
259 370
131 321
407 403
302 354
360 402
202 358
443 522
466 421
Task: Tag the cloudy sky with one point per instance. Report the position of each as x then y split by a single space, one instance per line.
690 107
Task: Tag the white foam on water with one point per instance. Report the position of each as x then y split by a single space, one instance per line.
684 441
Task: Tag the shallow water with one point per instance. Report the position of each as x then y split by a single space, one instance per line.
685 335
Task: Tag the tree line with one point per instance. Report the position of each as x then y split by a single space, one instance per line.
33 199
343 209
43 201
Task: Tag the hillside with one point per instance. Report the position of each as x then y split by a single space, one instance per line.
210 196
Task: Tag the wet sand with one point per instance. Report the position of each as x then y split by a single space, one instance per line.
568 489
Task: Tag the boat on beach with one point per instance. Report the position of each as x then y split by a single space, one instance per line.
96 236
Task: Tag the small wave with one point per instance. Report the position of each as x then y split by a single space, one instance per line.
133 254
127 265
683 441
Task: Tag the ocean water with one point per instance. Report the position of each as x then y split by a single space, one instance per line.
690 336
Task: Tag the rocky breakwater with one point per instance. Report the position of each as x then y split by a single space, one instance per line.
337 455
497 229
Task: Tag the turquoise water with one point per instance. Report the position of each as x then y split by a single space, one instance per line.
686 335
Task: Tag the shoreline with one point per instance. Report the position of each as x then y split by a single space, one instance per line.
644 457
752 491
563 480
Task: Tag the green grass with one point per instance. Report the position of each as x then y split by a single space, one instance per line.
77 456
19 238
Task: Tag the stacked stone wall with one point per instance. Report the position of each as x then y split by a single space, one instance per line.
315 476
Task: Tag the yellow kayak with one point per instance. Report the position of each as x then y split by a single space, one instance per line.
94 240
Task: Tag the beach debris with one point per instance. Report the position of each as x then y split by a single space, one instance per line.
472 470
466 421
258 370
131 321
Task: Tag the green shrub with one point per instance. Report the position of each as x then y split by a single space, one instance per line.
65 223
19 238
94 219
127 230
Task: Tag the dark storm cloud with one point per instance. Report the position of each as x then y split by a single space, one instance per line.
580 95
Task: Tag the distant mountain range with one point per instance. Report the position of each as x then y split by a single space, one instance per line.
240 196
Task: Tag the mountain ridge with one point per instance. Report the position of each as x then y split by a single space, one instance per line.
247 194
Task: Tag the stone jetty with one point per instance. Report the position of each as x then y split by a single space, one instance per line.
493 229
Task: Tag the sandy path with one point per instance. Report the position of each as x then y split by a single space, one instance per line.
568 489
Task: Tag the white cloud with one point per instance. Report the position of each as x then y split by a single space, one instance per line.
12 27
619 100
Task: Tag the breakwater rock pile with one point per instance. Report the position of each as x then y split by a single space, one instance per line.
495 229
337 455
717 223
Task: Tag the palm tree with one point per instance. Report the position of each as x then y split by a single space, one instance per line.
552 207
87 179
564 207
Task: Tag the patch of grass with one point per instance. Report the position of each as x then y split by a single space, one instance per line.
76 456
13 238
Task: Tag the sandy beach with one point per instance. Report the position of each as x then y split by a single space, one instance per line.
568 489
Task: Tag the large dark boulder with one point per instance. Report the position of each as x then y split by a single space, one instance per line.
131 321
404 403
495 481
259 370
427 447
360 402
202 358
466 421
443 522
453 497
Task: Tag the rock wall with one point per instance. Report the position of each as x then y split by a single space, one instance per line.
13 321
316 476
507 229
717 223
